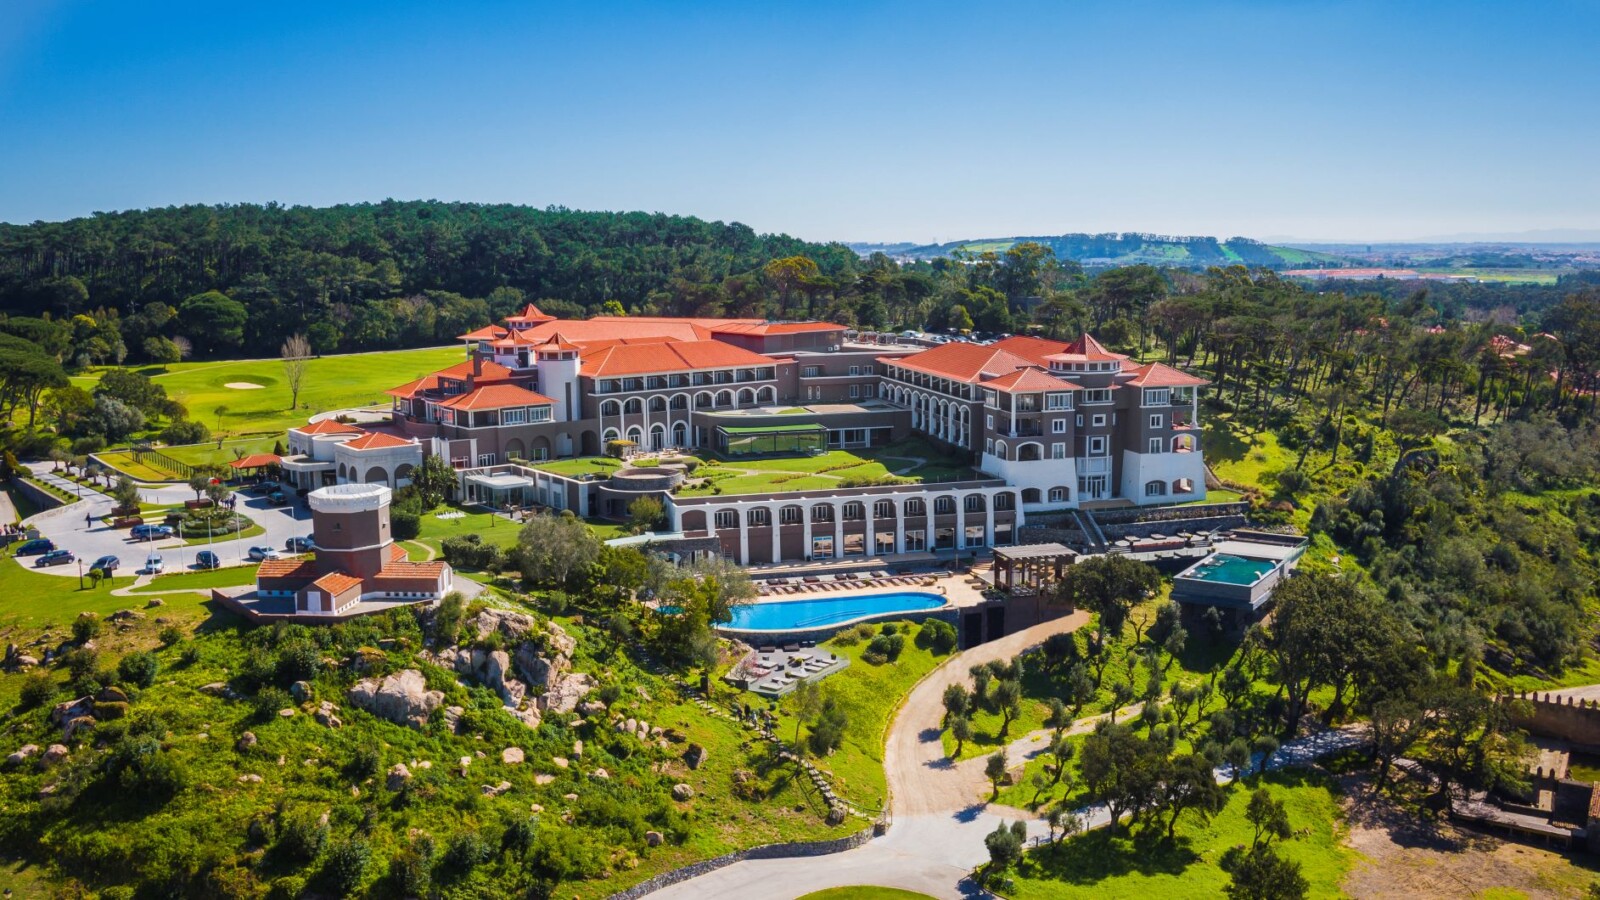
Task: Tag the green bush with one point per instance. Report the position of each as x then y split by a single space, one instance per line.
171 635
346 866
884 648
464 852
937 636
37 690
302 836
138 668
185 432
85 627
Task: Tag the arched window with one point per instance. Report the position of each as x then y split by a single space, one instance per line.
822 512
704 400
633 406
944 506
1058 495
680 401
1155 488
611 408
767 395
1004 501
760 517
854 511
974 502
727 518
610 435
1031 495
790 515
999 449
636 435
724 399
658 403
883 509
916 507
747 397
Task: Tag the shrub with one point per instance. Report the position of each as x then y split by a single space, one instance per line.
138 668
890 628
464 852
37 690
171 635
298 661
364 764
269 700
346 866
85 627
84 446
404 524
144 770
185 432
937 636
884 648
302 836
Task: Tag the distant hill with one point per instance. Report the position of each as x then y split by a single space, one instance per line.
1131 248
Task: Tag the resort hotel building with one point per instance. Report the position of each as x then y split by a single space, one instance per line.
1025 428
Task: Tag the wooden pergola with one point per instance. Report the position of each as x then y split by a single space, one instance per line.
1031 568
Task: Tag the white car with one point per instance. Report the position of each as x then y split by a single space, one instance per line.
154 564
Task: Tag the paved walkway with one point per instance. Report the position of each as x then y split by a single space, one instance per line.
940 811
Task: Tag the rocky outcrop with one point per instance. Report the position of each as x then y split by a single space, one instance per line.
682 792
563 696
398 775
540 664
402 698
22 755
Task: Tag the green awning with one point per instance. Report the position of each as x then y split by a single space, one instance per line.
770 429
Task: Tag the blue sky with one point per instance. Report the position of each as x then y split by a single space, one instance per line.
848 121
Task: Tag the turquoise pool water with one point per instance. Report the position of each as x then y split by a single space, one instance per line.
1230 569
821 612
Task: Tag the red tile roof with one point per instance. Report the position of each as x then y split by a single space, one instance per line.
774 327
496 396
409 576
491 372
530 313
1086 349
287 568
961 361
397 553
328 426
1029 380
377 440
486 333
1160 375
336 582
558 342
673 356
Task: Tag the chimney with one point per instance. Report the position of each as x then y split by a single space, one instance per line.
477 364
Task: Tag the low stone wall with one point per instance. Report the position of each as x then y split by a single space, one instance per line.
1145 529
766 851
37 495
1551 715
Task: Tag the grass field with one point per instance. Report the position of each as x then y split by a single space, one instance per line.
331 382
231 576
864 892
31 598
1104 867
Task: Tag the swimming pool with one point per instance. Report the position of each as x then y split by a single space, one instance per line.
827 612
1230 569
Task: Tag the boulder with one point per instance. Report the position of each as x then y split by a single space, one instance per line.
543 779
513 625
682 792
301 691
497 676
246 741
402 698
77 726
497 789
155 602
366 659
22 754
24 661
540 670
215 689
577 748
54 754
250 779
512 756
286 713
125 615
591 708
452 718
560 761
600 775
563 696
528 716
112 694
653 838
695 757
397 777
111 709
836 815
64 712
327 715
561 643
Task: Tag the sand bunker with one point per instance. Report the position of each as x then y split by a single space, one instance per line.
244 386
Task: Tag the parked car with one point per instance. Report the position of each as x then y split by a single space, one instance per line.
152 532
106 564
277 498
154 564
262 554
54 558
35 547
299 544
205 559
263 487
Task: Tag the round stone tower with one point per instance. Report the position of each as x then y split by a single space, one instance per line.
350 524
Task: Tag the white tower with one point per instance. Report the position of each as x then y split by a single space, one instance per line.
558 364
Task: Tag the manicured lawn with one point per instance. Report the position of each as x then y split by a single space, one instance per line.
231 576
1099 865
33 599
584 465
493 529
123 461
331 382
870 695
864 892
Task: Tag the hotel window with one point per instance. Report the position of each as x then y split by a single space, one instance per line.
988 444
1157 397
1058 451
539 414
760 518
515 416
1058 426
1080 420
541 453
822 547
1097 446
1098 421
916 507
866 370
822 512
790 515
943 506
1058 495
869 391
883 509
486 459
1155 488
973 502
727 518
855 392
1155 445
810 371
854 511
855 370
1157 420
1097 395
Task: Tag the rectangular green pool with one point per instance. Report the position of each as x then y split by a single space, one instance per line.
1227 569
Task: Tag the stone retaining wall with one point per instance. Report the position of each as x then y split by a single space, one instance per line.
37 495
765 851
1556 716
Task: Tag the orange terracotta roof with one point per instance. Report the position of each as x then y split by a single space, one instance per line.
1160 375
515 339
602 328
402 576
1086 349
397 553
486 333
674 356
1029 380
530 313
558 342
775 327
255 461
286 568
336 582
961 361
491 372
328 426
496 396
377 440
